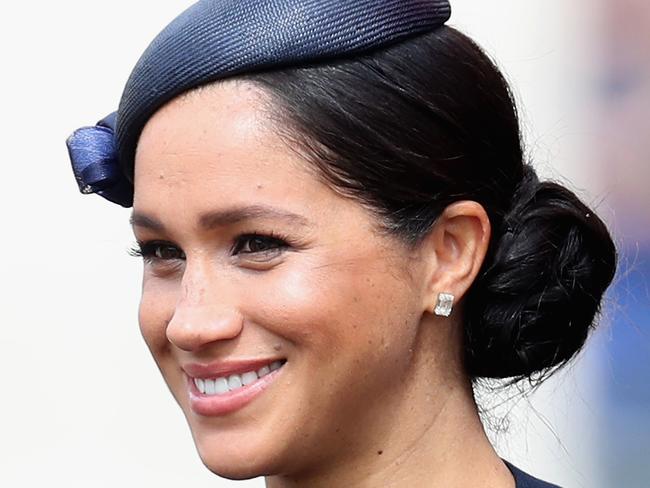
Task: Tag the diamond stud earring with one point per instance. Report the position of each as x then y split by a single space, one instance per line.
445 305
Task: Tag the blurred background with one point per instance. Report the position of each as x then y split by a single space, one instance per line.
83 403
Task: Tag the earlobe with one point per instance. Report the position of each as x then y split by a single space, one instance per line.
457 246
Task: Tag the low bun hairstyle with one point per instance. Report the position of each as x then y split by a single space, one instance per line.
536 299
408 130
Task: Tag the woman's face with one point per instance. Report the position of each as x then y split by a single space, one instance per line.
283 323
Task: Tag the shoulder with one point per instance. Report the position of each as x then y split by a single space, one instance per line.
524 480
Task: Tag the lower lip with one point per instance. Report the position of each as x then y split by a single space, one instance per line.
220 405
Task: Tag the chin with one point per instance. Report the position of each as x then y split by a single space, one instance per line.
238 473
237 456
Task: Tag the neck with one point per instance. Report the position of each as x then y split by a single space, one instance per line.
430 435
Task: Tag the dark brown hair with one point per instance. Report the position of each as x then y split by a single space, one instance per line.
408 130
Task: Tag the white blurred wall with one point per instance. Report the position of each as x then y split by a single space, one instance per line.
82 402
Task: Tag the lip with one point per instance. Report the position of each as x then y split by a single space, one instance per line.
226 368
220 405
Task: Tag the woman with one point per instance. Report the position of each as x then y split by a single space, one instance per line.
340 235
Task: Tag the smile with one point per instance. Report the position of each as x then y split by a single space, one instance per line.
222 389
225 384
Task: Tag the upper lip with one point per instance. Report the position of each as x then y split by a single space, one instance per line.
222 368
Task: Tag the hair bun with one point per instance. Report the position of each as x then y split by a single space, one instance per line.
541 286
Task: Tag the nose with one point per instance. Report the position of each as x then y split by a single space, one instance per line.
206 312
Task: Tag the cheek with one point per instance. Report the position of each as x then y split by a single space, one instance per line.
335 309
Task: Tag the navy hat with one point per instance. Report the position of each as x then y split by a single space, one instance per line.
216 39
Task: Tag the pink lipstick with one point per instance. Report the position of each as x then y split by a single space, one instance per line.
220 388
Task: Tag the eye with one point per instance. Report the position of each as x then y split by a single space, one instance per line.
259 244
160 251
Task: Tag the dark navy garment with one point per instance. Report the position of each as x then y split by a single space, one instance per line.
524 480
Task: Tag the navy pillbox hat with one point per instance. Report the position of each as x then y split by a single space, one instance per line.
216 39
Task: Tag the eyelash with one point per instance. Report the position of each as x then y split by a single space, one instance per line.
147 250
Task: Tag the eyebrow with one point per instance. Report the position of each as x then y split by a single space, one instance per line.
229 216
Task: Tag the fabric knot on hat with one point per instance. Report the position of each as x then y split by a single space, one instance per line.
95 162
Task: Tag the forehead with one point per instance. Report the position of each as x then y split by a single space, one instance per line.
217 144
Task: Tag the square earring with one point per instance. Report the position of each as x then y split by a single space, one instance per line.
445 304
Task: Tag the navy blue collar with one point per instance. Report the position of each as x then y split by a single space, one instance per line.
524 480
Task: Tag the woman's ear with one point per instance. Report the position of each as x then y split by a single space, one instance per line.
454 251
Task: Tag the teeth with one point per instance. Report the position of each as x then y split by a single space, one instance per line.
263 371
234 382
219 386
248 378
209 387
